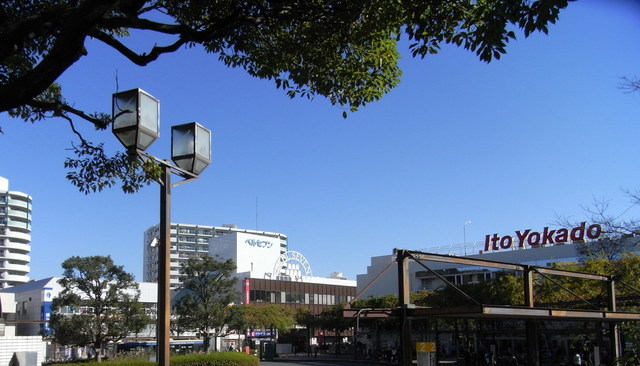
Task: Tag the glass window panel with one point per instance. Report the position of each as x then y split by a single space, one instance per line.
121 103
149 113
182 141
203 144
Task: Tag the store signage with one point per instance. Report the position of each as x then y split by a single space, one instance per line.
259 243
547 236
261 333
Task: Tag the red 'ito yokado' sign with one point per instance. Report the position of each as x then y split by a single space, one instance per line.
547 236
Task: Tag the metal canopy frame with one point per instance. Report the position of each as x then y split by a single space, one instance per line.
529 313
488 312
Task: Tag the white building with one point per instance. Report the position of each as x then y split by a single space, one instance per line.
261 256
15 349
15 229
193 241
26 310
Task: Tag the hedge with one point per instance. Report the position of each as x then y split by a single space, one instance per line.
210 359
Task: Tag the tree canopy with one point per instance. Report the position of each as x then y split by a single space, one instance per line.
270 316
98 304
343 50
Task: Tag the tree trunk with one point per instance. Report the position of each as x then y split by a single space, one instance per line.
205 342
98 355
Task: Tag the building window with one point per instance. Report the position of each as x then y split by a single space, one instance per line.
426 284
294 298
262 296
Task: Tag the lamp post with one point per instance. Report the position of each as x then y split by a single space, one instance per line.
464 231
357 331
136 123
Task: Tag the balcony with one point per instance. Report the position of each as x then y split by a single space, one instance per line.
19 225
15 268
14 278
7 255
20 204
15 236
15 214
12 245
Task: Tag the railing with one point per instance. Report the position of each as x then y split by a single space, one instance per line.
12 245
461 250
7 255
15 267
14 278
19 214
19 225
14 235
20 203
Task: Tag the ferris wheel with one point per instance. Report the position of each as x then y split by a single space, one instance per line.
291 266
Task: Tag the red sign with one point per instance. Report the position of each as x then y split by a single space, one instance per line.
246 291
547 236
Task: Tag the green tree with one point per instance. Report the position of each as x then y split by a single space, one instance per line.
207 291
98 304
559 289
343 50
269 316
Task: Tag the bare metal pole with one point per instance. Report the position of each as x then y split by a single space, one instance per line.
164 275
614 328
404 292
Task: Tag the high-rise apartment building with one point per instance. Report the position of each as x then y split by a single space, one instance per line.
15 229
191 241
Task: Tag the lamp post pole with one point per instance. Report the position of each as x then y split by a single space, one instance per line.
355 336
136 123
164 270
464 238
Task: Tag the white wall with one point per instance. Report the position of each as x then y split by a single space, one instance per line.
256 254
10 345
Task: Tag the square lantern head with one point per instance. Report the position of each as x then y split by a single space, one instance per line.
136 118
191 147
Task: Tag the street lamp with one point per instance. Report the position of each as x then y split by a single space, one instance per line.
191 147
136 118
357 331
136 123
464 230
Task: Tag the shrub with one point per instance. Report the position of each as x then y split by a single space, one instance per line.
216 359
210 359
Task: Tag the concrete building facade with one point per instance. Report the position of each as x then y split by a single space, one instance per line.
194 241
15 237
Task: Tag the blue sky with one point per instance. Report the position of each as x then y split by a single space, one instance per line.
509 145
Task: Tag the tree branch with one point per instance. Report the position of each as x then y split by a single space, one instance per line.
68 48
140 60
140 23
59 107
13 36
